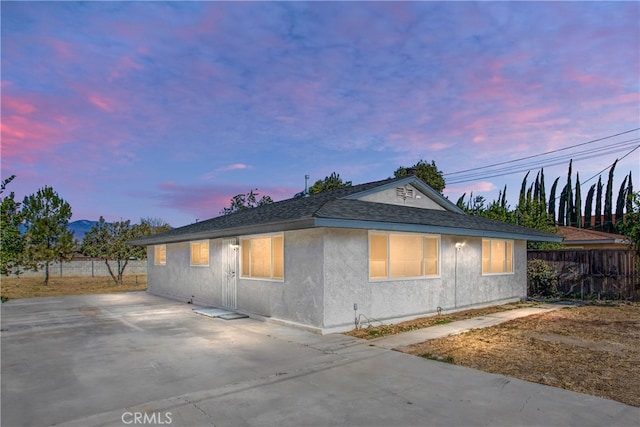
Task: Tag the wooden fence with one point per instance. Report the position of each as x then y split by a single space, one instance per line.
594 273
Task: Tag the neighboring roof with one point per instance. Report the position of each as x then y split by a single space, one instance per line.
339 208
574 235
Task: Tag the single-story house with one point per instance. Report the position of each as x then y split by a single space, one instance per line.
582 238
389 250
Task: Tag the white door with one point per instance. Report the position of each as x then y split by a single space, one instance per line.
229 273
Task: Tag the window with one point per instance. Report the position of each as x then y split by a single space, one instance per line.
160 254
200 253
263 257
403 255
497 256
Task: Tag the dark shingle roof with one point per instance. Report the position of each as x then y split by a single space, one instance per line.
295 209
323 208
356 210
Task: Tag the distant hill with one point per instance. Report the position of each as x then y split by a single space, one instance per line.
78 228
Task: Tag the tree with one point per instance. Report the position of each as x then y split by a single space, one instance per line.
598 212
47 238
588 206
543 194
154 225
108 241
5 182
631 225
522 200
429 173
621 201
570 212
577 207
552 199
242 202
11 240
608 202
562 207
331 182
629 204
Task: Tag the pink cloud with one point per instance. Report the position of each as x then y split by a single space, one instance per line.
439 146
62 49
125 64
204 202
17 105
455 191
235 166
26 138
101 102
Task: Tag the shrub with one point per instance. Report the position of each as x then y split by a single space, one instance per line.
542 279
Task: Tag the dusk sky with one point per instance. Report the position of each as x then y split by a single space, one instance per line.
167 109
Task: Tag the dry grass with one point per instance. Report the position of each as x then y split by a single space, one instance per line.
590 349
29 287
371 332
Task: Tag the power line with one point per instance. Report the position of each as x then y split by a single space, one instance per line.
620 146
542 154
608 167
551 162
599 173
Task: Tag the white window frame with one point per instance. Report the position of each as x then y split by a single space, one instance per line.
388 277
511 243
242 258
191 248
156 250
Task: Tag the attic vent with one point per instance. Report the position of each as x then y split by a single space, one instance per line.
404 192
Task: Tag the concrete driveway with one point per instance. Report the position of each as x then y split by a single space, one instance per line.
136 359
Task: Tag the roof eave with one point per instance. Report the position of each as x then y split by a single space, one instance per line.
227 232
597 241
435 229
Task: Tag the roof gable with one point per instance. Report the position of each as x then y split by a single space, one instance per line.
407 191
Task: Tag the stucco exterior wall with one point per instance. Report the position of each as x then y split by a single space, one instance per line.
390 197
327 271
299 298
181 281
347 281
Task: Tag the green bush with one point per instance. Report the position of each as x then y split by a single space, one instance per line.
542 279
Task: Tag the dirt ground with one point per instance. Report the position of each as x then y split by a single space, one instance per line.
375 329
29 287
591 349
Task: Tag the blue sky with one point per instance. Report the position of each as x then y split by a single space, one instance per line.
167 109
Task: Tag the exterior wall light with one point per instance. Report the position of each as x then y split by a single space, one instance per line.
459 245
